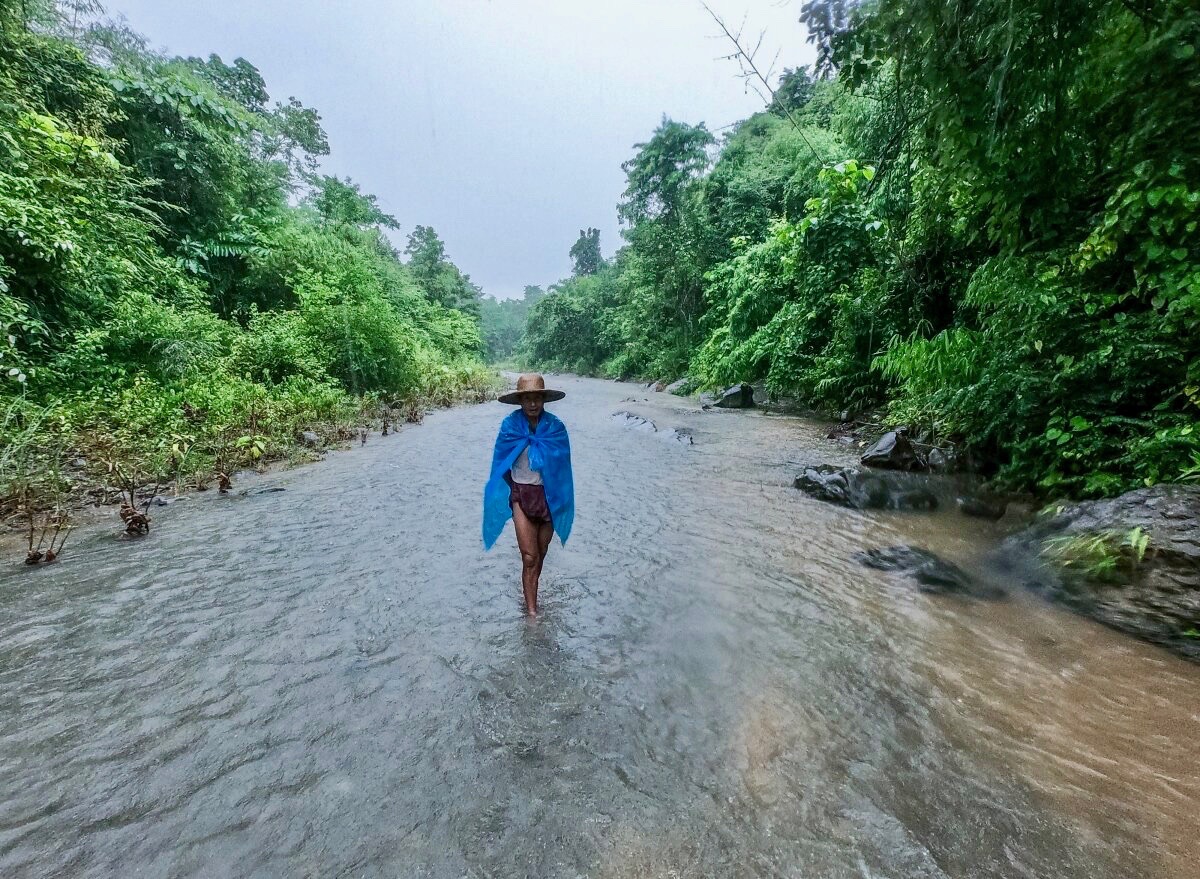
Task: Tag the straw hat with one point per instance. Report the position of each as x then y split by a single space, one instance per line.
530 383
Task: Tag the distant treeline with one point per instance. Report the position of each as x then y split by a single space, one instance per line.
982 217
503 324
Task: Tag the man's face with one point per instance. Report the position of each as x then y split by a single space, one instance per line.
531 405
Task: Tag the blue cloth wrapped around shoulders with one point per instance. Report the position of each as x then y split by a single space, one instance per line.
549 454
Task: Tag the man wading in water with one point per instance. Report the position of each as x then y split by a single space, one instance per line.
530 481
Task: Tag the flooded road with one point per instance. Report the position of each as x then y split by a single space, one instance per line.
335 680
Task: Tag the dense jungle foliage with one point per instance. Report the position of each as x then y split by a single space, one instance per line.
980 216
182 292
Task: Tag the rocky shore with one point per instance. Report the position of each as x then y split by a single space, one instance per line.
1131 562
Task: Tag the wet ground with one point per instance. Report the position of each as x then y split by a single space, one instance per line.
335 680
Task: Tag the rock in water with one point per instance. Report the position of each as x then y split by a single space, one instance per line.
261 490
894 451
681 435
1091 557
735 397
863 490
677 387
933 574
634 422
914 499
825 483
982 506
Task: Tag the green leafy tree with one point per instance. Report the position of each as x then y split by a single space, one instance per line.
585 252
241 81
441 280
344 202
573 326
665 267
662 169
796 87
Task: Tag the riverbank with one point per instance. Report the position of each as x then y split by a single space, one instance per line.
61 482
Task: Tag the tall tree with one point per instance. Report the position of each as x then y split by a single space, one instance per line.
586 252
240 81
664 274
426 253
662 168
440 279
794 91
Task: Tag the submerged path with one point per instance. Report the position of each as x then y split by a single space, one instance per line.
335 680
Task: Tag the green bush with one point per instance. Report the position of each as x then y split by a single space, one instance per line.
276 346
1068 397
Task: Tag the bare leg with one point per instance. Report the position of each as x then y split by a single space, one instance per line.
532 553
545 535
545 531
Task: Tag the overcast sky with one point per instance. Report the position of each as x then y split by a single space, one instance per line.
501 123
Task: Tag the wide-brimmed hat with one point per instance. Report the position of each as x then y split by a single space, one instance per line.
530 383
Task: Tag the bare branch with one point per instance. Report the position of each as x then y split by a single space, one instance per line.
754 52
751 71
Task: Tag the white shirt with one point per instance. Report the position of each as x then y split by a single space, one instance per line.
521 471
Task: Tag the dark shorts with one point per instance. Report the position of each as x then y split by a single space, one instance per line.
532 499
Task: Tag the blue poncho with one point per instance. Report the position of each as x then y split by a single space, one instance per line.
549 454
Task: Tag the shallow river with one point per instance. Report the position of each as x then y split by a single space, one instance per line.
336 680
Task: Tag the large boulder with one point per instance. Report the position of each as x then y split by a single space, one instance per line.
932 574
735 397
1131 562
679 387
863 490
894 451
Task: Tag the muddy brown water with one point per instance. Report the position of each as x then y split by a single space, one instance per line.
335 680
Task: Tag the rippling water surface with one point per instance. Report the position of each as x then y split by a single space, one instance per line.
335 680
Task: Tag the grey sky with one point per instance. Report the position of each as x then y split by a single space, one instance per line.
502 124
